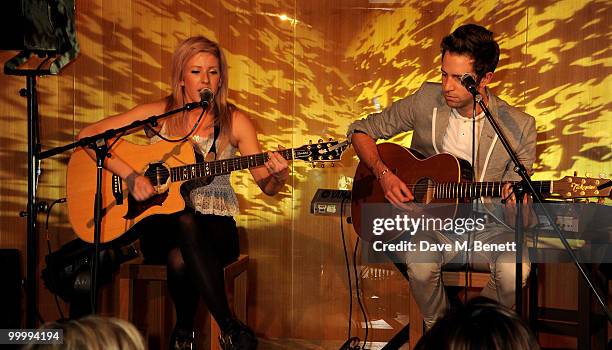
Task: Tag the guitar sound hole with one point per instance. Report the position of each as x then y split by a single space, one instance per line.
158 174
423 190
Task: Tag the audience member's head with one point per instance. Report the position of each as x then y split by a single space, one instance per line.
480 324
94 333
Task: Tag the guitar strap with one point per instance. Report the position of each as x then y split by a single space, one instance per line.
213 148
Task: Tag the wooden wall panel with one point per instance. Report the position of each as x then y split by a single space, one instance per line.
13 155
303 70
567 79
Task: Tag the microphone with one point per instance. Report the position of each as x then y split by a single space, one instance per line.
206 97
467 80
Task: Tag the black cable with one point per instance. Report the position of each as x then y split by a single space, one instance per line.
348 268
365 317
60 200
505 199
184 137
115 140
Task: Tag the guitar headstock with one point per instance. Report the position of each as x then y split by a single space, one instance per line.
321 152
571 187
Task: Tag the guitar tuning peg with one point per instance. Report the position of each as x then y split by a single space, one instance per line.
322 165
575 173
332 164
313 164
330 139
320 140
310 142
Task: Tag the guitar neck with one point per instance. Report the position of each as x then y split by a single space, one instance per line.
480 189
223 166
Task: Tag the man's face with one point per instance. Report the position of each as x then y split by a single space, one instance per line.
453 67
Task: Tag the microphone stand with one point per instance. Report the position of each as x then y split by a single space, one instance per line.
99 144
33 174
520 188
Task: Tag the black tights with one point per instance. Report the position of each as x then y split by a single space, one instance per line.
196 248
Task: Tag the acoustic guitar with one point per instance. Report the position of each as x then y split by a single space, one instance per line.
445 179
166 165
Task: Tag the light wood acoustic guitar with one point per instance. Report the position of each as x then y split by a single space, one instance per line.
444 179
166 165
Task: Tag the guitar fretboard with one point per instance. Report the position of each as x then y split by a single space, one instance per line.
479 189
223 166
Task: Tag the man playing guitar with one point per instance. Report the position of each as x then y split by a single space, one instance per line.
444 120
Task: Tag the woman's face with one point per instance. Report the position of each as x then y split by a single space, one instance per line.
201 71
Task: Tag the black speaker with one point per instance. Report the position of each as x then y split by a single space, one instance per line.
37 25
10 291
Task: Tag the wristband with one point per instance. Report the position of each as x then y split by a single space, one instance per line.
382 173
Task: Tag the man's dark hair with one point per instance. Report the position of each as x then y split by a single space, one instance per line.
476 42
480 324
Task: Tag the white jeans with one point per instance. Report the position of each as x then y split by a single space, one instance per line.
425 269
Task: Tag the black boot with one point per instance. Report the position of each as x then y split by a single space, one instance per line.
182 339
238 337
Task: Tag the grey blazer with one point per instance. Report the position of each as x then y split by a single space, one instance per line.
427 114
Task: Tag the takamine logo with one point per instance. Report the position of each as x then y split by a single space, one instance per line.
582 187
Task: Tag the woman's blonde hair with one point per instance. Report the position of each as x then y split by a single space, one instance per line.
221 108
94 333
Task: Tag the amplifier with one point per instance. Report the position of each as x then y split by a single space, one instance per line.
328 202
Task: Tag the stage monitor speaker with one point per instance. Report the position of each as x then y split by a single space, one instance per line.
327 202
38 25
10 292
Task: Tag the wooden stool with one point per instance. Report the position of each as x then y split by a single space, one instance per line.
235 287
450 279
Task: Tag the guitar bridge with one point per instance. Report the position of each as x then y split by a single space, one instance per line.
117 189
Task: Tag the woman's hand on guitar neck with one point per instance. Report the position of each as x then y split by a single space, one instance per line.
395 190
140 187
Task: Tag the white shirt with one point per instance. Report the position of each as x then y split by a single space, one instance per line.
458 137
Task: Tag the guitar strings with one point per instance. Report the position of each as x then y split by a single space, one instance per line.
217 167
214 167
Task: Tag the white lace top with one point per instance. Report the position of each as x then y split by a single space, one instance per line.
217 197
